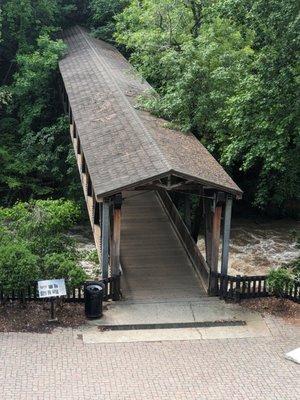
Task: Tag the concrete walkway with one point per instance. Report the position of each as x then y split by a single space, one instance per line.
207 318
155 264
159 312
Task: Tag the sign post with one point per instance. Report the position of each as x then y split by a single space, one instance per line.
51 289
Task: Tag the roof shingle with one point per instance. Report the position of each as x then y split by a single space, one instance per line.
123 146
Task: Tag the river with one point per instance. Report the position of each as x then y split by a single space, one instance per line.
256 246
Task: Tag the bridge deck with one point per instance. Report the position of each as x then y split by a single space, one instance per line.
154 261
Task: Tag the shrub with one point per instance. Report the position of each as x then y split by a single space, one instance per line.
279 280
42 223
63 266
18 266
34 244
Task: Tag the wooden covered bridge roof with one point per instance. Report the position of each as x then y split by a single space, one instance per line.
125 147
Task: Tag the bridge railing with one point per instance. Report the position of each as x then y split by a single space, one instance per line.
198 261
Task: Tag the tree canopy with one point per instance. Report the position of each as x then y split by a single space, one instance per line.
227 71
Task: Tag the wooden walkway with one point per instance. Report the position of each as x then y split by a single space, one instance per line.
154 261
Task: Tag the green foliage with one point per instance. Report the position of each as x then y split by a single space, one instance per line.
102 17
36 69
18 265
93 257
34 244
24 21
63 266
34 141
42 223
279 280
227 71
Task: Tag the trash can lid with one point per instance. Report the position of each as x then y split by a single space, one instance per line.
94 288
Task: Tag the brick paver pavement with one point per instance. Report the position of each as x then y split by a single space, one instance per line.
60 366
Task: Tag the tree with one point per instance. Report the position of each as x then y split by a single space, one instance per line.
102 15
227 71
35 143
34 244
24 21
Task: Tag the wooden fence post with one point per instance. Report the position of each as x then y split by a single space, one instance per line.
238 288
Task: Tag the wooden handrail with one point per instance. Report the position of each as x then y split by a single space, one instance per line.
193 251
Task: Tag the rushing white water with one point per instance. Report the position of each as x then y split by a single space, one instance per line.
257 246
83 237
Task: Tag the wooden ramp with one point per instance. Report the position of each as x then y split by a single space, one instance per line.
154 261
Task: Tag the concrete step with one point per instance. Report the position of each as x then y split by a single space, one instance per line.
172 312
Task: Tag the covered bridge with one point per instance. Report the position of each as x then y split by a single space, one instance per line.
130 163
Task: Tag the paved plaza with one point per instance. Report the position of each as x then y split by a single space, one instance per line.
62 366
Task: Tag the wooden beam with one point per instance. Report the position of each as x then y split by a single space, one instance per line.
78 145
70 115
216 225
105 239
116 234
215 244
226 234
89 184
83 166
194 189
74 130
115 256
96 210
208 229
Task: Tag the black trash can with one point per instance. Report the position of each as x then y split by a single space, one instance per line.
93 298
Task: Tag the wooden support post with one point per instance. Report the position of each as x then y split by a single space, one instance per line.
70 115
89 184
105 239
215 244
74 130
100 214
96 210
78 146
83 167
216 225
116 242
226 234
116 237
208 229
187 211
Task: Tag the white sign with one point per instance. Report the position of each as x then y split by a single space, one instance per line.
52 288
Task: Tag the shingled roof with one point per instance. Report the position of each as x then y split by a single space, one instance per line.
123 146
